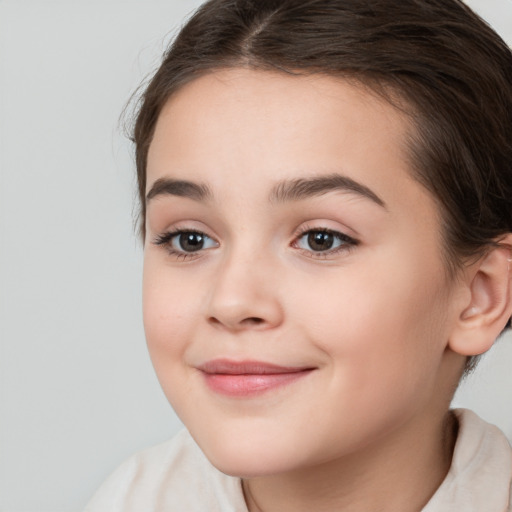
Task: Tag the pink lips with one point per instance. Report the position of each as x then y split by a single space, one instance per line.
246 378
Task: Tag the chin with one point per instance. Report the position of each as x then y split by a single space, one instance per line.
250 456
248 465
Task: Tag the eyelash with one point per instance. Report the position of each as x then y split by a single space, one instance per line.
166 238
347 242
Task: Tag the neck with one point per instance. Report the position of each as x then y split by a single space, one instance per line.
399 473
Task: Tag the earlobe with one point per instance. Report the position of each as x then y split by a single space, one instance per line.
484 316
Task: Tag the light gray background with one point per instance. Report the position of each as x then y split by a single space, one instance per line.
77 391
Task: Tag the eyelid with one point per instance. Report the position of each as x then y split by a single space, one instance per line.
168 234
349 245
165 240
322 225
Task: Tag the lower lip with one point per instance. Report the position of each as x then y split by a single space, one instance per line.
250 384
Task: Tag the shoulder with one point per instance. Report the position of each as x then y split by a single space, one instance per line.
172 476
480 476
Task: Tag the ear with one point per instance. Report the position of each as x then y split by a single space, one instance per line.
482 317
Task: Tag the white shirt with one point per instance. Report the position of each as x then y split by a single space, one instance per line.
176 477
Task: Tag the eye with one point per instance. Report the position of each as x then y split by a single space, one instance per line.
183 242
191 241
324 241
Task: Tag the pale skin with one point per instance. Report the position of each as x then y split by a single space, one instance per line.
371 314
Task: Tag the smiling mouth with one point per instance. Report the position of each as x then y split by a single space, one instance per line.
249 378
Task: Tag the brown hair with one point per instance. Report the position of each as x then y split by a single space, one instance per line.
452 71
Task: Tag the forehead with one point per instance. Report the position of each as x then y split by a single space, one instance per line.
241 128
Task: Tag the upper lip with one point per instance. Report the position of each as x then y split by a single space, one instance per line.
229 367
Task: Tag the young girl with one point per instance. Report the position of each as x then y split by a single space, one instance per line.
325 191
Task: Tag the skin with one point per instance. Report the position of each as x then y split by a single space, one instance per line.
368 428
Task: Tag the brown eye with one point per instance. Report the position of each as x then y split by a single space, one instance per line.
183 242
320 240
324 240
188 241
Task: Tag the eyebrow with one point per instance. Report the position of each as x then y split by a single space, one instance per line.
180 188
286 190
303 188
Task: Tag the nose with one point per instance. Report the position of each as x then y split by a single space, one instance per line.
244 295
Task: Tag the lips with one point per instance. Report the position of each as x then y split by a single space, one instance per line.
249 378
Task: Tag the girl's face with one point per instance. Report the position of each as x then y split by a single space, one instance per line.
295 301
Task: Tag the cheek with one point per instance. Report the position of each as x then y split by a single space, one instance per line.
169 312
380 322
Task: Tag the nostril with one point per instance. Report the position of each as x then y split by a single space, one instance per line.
237 324
253 320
